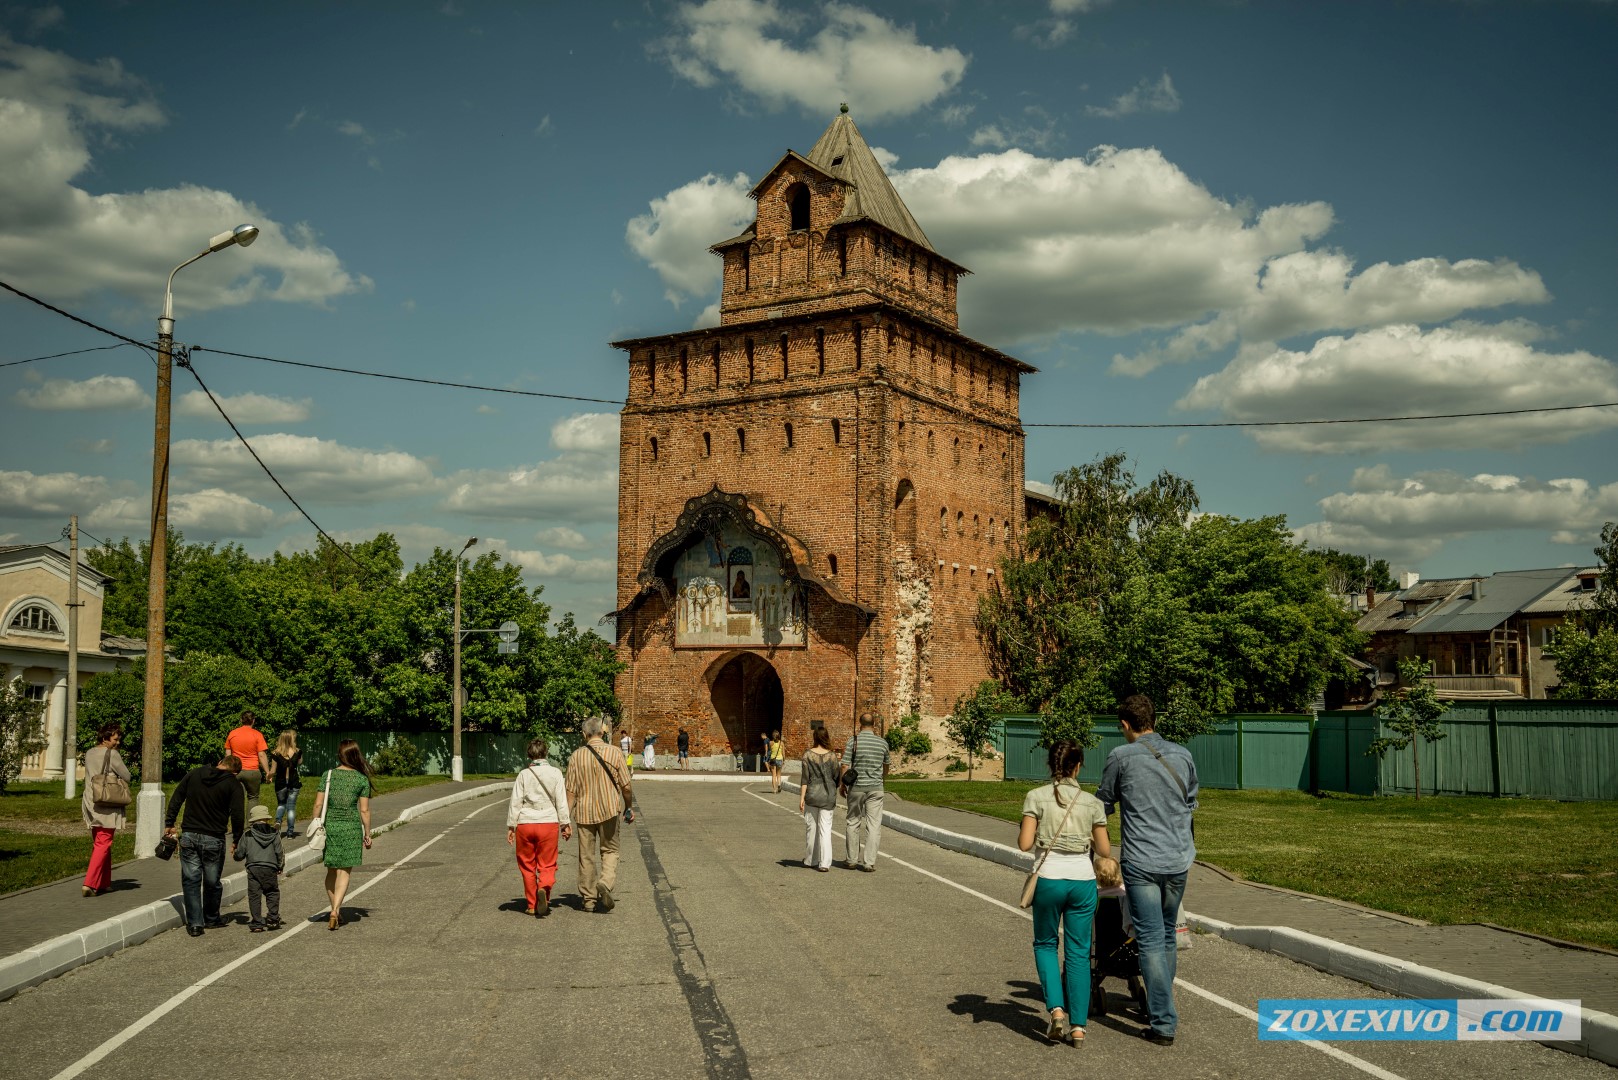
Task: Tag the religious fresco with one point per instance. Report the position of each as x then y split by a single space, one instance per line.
730 591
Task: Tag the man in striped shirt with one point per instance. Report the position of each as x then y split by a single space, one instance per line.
597 793
867 756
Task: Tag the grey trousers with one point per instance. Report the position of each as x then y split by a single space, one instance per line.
863 830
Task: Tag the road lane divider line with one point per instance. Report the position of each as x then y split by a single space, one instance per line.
1325 1048
100 1053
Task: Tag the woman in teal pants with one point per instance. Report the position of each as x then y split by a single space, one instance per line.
1069 826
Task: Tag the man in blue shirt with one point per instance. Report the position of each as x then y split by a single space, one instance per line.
1154 782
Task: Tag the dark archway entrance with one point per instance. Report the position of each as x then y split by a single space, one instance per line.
747 695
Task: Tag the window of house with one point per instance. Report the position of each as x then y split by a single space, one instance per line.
707 444
741 440
36 619
1589 583
789 436
798 202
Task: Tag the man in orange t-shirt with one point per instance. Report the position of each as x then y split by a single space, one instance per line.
253 752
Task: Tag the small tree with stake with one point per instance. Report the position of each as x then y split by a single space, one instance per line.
971 726
1414 714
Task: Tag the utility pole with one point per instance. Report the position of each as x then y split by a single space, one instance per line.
149 804
455 772
70 736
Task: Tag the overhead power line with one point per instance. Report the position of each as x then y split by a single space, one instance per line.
56 356
1076 425
183 358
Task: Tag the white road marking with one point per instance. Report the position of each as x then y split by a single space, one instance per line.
1325 1048
100 1052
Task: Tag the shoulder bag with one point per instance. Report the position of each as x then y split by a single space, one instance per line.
107 788
1032 881
629 811
314 833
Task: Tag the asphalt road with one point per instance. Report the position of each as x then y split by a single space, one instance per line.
725 958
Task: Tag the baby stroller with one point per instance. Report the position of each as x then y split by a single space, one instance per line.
1113 954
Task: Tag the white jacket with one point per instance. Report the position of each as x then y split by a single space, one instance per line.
538 797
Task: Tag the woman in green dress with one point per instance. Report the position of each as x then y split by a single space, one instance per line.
347 820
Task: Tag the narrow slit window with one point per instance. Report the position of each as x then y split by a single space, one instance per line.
654 449
798 203
785 368
859 347
820 352
685 373
789 436
715 358
651 371
747 268
749 361
831 564
943 521
837 432
741 440
842 254
707 444
960 523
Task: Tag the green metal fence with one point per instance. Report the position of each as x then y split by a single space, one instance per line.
1536 749
481 751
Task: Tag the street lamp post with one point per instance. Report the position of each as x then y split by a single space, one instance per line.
149 803
455 772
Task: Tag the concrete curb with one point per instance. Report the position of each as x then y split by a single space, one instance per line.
62 954
659 776
1598 1030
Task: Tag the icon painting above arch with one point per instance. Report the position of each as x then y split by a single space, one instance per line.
730 590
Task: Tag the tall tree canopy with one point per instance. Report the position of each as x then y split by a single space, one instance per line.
1585 648
1125 589
361 643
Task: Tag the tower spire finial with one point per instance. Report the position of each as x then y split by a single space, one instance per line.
843 108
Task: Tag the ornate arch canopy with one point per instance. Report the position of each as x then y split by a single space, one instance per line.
716 519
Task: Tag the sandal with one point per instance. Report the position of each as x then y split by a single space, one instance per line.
1058 1031
1075 1037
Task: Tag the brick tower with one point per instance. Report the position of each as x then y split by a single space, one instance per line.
813 494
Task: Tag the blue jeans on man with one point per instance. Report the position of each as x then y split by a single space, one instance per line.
202 863
1154 908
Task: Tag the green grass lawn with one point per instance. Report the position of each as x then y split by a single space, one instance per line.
43 839
1545 867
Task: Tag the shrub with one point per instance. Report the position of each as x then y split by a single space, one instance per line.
906 738
956 765
400 757
22 730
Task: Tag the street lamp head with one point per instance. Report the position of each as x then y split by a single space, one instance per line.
469 543
241 235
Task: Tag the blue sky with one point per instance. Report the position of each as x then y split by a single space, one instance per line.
1179 212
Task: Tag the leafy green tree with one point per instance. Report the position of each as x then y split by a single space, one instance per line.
1349 573
22 729
1585 647
972 724
1125 591
1413 714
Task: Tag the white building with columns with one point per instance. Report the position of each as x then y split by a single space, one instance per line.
33 640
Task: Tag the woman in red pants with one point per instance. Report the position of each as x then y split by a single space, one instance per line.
535 819
102 819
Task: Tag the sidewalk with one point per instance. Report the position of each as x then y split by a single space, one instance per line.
36 915
1473 951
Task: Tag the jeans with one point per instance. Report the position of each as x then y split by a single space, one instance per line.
286 802
864 826
1070 905
202 861
263 884
817 837
1154 908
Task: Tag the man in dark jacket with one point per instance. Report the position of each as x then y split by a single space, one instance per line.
213 799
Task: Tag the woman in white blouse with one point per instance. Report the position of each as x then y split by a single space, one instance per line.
535 819
1070 825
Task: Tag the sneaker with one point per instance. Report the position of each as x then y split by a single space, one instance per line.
255 928
1156 1038
605 902
272 924
214 924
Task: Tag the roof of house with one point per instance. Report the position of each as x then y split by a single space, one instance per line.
1501 596
20 552
1392 613
1565 595
841 151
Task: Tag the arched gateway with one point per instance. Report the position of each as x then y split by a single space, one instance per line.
774 471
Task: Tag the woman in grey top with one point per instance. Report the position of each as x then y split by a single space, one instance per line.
102 819
817 798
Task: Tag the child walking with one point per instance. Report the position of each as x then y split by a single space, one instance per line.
260 848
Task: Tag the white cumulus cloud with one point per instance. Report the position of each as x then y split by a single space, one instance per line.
65 240
1148 95
1406 371
674 236
562 566
49 495
561 536
100 392
579 484
211 514
245 408
1407 518
313 469
779 55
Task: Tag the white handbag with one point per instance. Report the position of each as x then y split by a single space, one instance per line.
314 833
